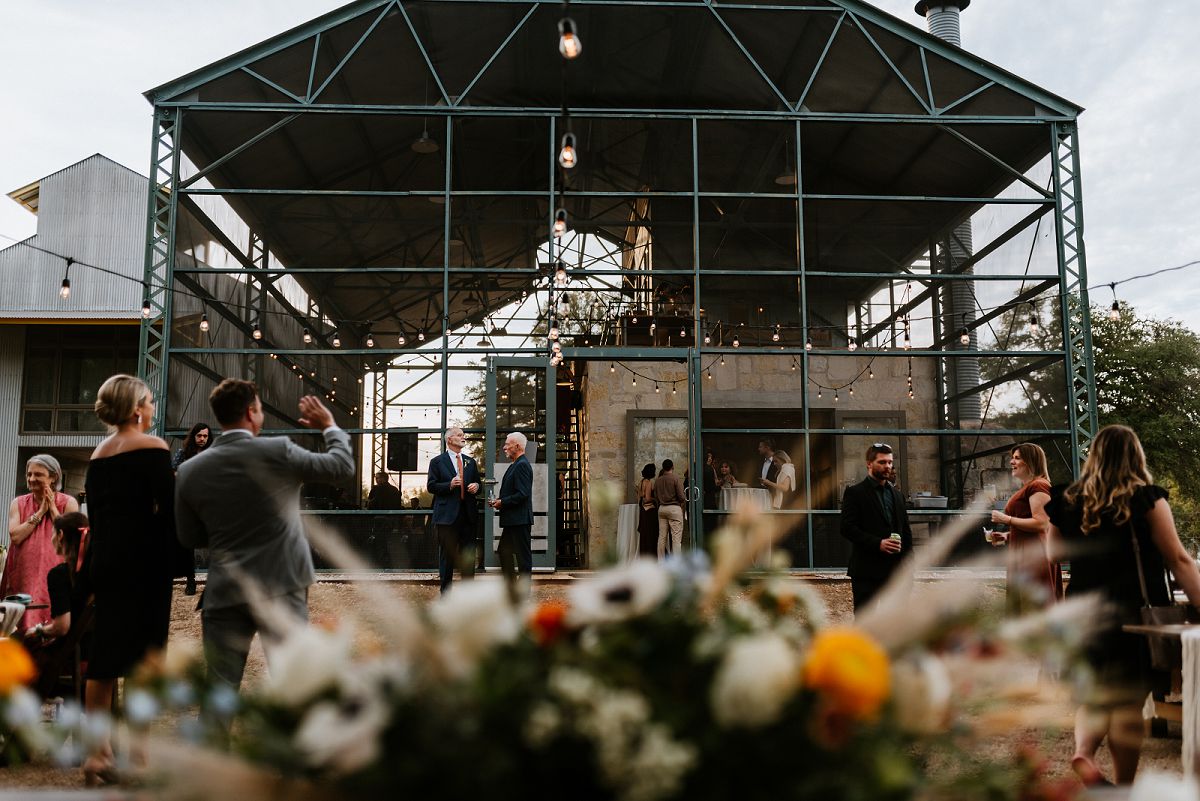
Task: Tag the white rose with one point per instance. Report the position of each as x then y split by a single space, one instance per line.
757 677
309 661
626 592
343 737
473 618
921 691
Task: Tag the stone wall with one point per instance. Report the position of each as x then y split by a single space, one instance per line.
758 382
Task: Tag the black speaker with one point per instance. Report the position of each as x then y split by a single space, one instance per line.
402 450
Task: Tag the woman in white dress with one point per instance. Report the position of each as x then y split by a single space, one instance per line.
785 482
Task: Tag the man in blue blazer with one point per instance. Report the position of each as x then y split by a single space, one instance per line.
454 483
515 505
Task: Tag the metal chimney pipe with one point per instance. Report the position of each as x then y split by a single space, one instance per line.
942 19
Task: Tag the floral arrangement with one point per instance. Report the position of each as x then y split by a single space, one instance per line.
681 680
651 682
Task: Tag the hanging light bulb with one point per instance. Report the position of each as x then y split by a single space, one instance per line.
1033 322
775 334
836 398
1114 313
736 343
707 338
633 319
653 327
204 322
635 380
722 359
337 340
402 340
65 292
568 39
307 337
794 365
560 275
870 372
257 332
682 332
568 156
852 390
709 373
556 347
145 308
818 393
808 344
421 335
370 340
656 389
907 341
612 367
910 394
554 333
673 390
564 308
964 336
853 345
560 222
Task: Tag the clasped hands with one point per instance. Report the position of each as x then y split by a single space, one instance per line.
457 481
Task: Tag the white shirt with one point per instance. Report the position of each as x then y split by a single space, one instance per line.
766 468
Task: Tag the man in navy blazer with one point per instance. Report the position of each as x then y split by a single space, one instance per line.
515 505
454 483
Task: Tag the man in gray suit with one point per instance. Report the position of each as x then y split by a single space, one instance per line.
241 500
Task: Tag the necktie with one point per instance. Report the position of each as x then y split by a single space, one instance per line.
462 488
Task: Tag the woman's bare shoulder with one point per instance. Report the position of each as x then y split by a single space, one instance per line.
123 443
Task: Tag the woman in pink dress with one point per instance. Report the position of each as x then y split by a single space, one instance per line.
31 529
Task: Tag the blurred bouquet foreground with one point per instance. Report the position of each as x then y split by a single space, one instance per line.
649 682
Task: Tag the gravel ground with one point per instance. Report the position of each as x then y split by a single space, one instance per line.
330 599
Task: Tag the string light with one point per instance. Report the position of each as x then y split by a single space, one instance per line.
568 157
402 340
560 273
775 334
722 359
653 327
656 389
870 372
852 390
835 396
707 338
853 345
65 291
673 391
612 367
146 308
568 39
818 392
553 335
560 224
808 344
370 339
709 371
1114 313
421 335
682 332
204 322
736 343
307 337
337 340
964 336
635 380
1033 318
257 332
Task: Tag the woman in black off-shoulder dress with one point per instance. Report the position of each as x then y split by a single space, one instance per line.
1094 523
131 505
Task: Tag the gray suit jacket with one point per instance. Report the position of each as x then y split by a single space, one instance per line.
241 500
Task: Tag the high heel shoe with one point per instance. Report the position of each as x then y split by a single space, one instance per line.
98 772
1088 772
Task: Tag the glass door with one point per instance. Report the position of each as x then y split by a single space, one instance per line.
521 398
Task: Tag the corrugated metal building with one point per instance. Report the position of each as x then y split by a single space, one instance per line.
55 351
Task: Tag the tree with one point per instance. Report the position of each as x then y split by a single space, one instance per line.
1147 371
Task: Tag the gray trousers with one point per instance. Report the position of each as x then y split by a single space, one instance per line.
228 631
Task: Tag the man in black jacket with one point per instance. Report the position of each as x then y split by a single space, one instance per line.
874 520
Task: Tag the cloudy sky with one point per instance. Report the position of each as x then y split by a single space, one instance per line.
75 71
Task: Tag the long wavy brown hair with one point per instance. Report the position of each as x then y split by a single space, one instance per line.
1115 468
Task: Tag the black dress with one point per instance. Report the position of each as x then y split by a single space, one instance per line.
131 509
1103 561
647 526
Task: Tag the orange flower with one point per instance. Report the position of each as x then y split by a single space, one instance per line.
16 667
849 670
548 621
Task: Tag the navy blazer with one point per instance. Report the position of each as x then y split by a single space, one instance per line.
446 501
865 524
516 494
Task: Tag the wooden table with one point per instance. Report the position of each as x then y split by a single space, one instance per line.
1186 713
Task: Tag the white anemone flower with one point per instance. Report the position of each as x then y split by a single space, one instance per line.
343 737
614 595
308 662
921 692
758 676
1153 785
473 618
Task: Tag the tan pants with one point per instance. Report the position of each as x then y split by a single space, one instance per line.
670 519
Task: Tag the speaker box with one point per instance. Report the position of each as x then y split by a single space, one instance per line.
402 450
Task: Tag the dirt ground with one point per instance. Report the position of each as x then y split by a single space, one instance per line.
330 599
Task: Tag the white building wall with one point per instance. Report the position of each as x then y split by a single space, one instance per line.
12 357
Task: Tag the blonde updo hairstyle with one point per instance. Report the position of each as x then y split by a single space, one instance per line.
118 399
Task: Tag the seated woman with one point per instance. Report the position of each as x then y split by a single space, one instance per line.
69 598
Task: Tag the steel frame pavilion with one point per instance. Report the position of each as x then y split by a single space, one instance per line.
792 64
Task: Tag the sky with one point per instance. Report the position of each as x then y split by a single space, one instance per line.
75 71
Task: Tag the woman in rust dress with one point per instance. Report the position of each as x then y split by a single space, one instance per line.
1033 580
